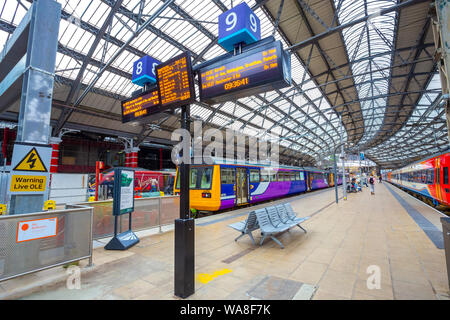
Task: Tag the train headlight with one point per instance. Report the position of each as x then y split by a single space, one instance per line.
206 195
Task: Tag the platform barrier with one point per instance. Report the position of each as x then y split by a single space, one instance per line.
148 213
37 241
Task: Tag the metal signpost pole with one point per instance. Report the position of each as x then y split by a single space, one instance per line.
335 177
344 181
184 226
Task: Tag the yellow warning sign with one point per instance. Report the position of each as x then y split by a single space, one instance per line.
31 162
21 183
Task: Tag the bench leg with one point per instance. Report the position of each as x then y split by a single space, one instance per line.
242 234
251 237
262 239
301 228
277 241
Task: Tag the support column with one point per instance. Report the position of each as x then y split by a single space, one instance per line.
441 35
133 160
54 141
37 89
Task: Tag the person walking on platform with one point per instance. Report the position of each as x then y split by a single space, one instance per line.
380 178
372 184
364 180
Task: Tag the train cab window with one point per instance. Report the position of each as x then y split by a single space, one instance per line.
265 176
206 178
254 176
193 178
445 176
227 176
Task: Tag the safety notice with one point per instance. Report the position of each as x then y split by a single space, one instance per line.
36 229
26 183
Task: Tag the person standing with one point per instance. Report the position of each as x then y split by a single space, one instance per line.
372 184
380 178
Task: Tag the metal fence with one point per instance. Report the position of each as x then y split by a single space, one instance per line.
20 254
148 213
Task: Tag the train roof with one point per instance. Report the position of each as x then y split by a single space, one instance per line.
217 161
423 159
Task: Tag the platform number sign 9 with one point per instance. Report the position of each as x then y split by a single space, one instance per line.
144 71
237 25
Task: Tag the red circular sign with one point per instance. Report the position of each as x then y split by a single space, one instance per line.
25 227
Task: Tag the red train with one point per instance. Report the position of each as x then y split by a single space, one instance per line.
427 178
162 180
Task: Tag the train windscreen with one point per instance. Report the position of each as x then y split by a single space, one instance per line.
199 178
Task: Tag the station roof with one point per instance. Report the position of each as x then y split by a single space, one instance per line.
370 61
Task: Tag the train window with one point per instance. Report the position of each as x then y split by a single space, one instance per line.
254 176
274 177
227 176
445 179
302 176
265 176
206 178
193 178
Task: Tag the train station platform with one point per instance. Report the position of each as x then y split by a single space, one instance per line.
390 232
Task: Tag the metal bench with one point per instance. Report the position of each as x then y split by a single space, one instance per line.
246 227
286 210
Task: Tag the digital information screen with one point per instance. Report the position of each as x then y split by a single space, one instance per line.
175 83
139 107
262 69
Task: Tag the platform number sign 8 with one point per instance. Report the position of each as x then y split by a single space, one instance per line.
144 71
139 68
237 25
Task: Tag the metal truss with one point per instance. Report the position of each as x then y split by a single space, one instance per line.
388 133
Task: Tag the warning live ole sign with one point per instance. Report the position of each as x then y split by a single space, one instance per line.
20 183
30 163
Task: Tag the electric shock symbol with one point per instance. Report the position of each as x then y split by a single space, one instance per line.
31 162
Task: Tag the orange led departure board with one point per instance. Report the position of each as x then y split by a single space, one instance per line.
138 107
175 83
264 68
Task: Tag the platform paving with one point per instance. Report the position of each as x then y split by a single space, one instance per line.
331 261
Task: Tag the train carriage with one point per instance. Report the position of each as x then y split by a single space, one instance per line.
229 183
428 178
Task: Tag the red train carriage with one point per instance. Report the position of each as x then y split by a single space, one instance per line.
144 179
428 178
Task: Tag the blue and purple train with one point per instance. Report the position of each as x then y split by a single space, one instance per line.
225 184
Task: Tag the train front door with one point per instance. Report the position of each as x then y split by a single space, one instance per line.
242 186
437 178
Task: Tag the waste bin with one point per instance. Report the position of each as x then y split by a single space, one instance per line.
446 233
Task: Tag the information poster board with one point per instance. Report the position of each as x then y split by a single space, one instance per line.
123 191
126 191
175 82
123 202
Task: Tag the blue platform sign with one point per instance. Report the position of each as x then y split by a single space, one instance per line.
361 155
144 71
239 24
